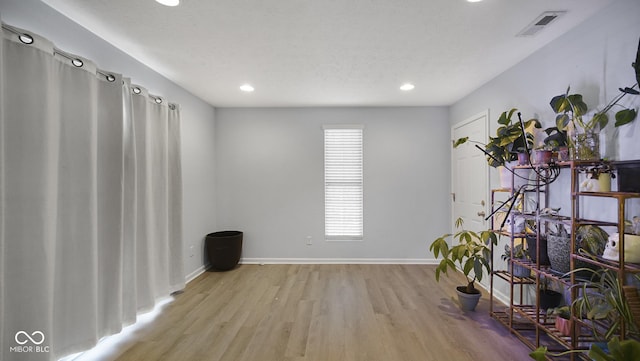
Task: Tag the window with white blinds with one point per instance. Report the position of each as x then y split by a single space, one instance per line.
343 183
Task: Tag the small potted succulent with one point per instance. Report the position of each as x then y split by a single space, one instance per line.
563 319
558 142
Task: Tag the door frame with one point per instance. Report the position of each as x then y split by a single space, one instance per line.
483 114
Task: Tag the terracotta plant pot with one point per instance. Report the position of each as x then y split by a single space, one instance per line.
564 326
541 156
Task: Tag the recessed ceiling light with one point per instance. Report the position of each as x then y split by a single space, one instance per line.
169 2
474 1
246 88
407 87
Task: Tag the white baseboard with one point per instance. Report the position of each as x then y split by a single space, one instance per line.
338 261
503 298
191 276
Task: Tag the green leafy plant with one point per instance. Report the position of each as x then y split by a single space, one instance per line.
519 252
591 240
626 350
472 253
509 140
570 108
562 312
556 138
602 298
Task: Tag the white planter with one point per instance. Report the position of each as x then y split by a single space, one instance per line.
507 179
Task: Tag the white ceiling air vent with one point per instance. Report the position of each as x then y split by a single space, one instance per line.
541 22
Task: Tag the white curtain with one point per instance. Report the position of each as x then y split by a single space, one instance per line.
90 201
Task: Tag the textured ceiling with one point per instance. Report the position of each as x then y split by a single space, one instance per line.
327 52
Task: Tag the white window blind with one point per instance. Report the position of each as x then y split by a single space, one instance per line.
343 183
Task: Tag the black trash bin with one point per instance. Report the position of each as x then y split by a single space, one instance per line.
224 249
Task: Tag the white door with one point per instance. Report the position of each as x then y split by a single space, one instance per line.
470 173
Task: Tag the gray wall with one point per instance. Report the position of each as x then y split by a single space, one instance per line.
595 59
270 182
198 117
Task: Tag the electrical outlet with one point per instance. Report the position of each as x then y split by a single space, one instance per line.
309 242
191 253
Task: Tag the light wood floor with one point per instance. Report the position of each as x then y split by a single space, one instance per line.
323 313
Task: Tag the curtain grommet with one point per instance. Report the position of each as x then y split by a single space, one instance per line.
26 38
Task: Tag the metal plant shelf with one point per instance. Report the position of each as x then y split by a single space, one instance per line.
528 322
505 275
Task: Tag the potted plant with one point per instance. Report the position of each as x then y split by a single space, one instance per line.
542 155
558 142
602 298
471 253
507 144
558 248
563 319
509 139
520 253
571 108
598 179
590 242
